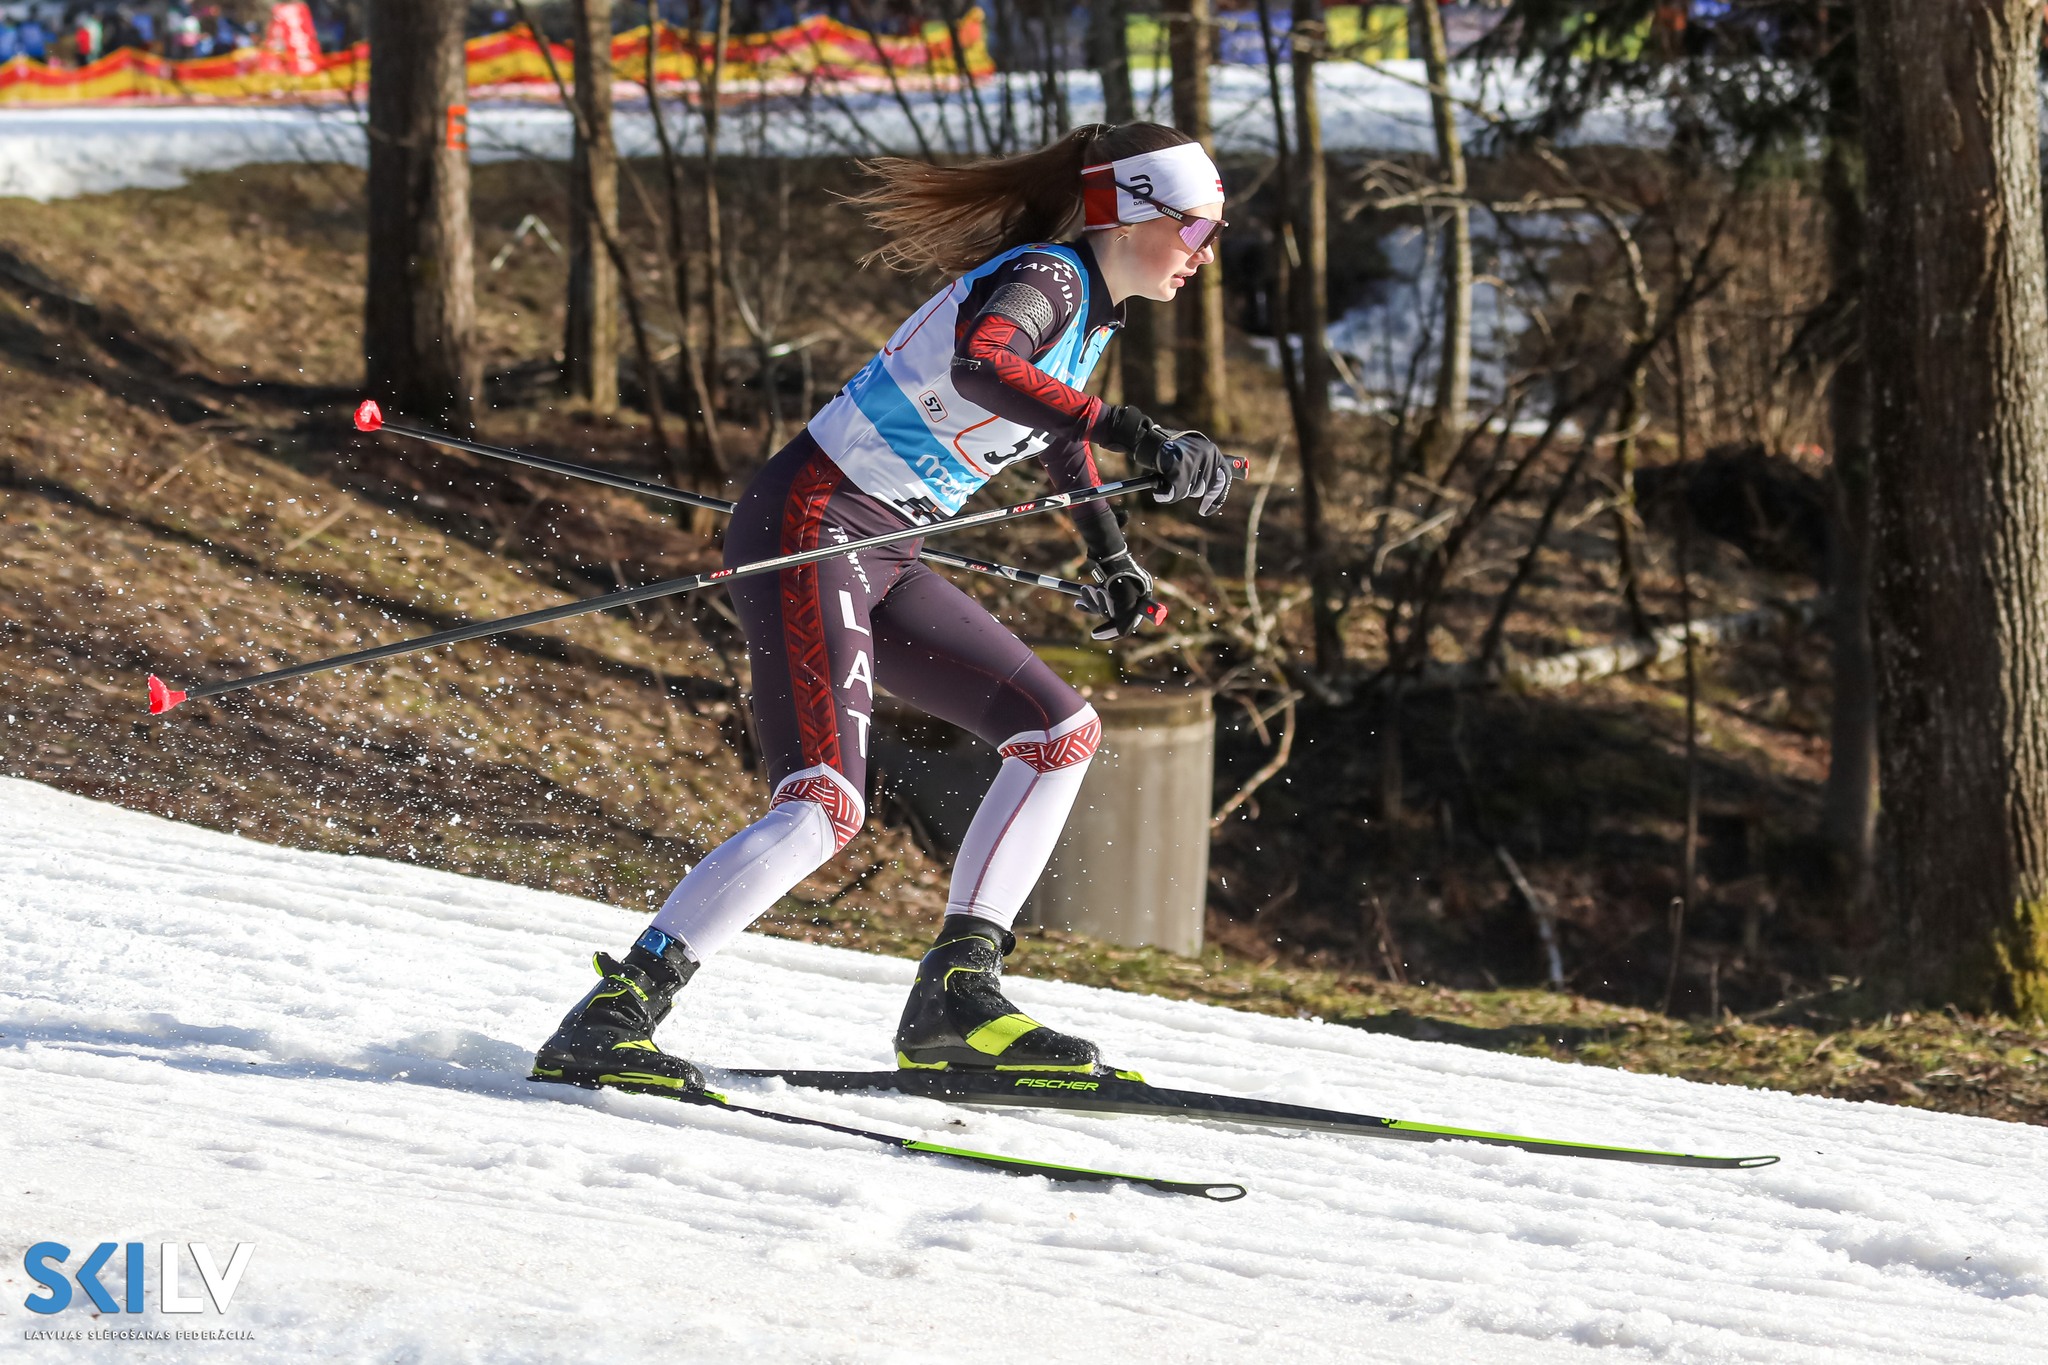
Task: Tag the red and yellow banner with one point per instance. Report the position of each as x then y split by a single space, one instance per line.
818 51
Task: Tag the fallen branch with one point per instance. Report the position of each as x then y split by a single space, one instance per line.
1269 771
1541 908
1554 671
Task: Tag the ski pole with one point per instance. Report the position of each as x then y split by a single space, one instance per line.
370 417
162 697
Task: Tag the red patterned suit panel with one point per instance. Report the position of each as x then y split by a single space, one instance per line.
1048 404
839 805
1076 746
803 615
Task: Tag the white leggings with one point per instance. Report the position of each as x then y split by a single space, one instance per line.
815 812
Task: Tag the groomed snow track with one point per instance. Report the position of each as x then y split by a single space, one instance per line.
208 1039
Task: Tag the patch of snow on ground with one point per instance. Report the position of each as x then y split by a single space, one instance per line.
208 1039
58 152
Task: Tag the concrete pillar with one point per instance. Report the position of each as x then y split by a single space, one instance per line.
1133 865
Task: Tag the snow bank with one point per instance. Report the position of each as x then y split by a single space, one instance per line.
55 153
204 1039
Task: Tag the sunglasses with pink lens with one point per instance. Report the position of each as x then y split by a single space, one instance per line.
1196 234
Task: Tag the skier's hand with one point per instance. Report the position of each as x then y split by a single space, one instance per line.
1189 460
1194 468
1123 595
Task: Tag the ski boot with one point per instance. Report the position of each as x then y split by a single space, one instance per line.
608 1038
957 1017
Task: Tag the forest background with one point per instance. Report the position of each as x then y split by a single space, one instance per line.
1563 640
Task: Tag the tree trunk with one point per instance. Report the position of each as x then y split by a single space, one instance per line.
590 346
1287 231
1454 366
419 309
1626 451
1137 347
707 459
1008 25
1957 340
1199 382
1109 49
714 229
1053 116
1849 803
1311 298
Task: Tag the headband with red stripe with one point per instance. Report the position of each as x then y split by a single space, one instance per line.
1179 177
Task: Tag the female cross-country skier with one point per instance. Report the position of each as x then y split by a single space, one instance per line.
988 372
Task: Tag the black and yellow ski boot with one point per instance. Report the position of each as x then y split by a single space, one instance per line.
957 1017
608 1038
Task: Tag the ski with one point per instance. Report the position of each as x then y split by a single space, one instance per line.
1221 1191
1126 1093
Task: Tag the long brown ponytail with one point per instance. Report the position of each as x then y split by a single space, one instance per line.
952 218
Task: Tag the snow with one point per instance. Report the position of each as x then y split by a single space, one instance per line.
208 1039
1392 337
59 152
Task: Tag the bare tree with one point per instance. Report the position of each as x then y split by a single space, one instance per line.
1849 803
708 95
1109 52
709 458
865 16
1137 348
1956 326
590 344
1053 115
1310 299
1309 442
1199 380
1454 369
608 236
419 308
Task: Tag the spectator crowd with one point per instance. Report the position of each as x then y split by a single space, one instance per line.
74 32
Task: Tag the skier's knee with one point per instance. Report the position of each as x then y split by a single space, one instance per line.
837 800
1070 743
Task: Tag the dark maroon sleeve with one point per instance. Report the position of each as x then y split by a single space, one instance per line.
1071 463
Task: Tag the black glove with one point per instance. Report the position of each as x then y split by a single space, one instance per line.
1194 467
1190 461
1123 594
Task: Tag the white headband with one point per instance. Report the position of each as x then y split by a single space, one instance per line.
1179 177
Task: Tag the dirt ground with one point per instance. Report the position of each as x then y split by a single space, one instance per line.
180 493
